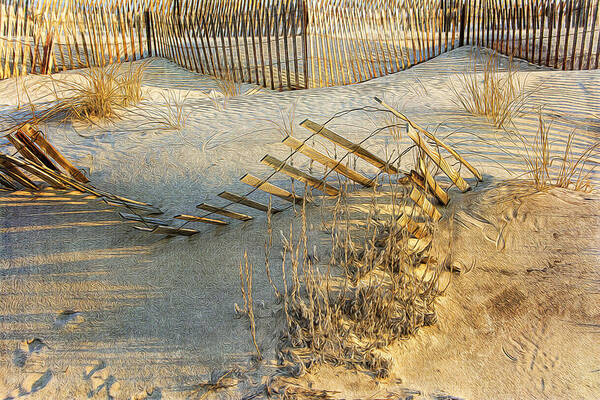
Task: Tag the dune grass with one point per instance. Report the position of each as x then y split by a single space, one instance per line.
346 310
487 92
97 94
546 170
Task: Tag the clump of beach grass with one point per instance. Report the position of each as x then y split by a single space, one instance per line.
373 299
172 116
497 96
546 170
97 94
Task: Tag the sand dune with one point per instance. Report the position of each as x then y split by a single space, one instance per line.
92 308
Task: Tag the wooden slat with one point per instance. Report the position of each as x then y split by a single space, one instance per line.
5 181
194 218
140 218
35 170
133 206
348 145
41 141
247 202
272 189
39 154
295 173
16 174
438 160
330 163
168 230
432 185
22 149
432 137
417 229
222 211
421 200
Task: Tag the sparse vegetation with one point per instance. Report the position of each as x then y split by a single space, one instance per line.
567 171
101 94
172 116
497 96
345 312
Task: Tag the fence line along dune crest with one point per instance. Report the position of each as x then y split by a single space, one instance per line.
291 44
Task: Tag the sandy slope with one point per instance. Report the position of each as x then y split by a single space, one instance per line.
158 312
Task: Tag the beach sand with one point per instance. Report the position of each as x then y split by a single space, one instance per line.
121 313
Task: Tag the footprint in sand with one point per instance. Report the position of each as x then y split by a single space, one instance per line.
68 319
100 379
32 383
25 349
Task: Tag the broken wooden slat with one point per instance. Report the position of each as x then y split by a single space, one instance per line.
22 149
5 181
438 159
119 203
348 145
272 189
432 184
193 218
417 229
39 155
139 218
421 199
226 213
168 230
432 137
34 170
16 174
321 158
247 202
38 138
299 175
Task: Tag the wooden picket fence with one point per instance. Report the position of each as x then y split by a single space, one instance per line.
559 34
43 37
291 44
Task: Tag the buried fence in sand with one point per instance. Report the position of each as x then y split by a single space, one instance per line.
290 44
38 155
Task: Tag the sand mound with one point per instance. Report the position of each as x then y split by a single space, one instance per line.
158 314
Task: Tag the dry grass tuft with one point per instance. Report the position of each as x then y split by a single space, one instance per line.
499 97
567 171
349 318
173 115
246 288
227 88
101 94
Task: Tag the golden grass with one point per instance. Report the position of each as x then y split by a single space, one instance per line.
349 318
567 171
499 97
101 94
172 116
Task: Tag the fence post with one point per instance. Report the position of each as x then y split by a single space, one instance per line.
461 38
148 32
305 60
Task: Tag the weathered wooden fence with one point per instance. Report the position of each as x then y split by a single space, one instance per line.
556 33
288 44
259 41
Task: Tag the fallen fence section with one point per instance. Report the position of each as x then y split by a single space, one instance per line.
426 191
40 161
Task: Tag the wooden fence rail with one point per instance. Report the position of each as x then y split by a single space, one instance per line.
289 44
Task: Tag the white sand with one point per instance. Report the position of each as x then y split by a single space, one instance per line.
159 312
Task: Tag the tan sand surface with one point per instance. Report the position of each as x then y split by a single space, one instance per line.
117 312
